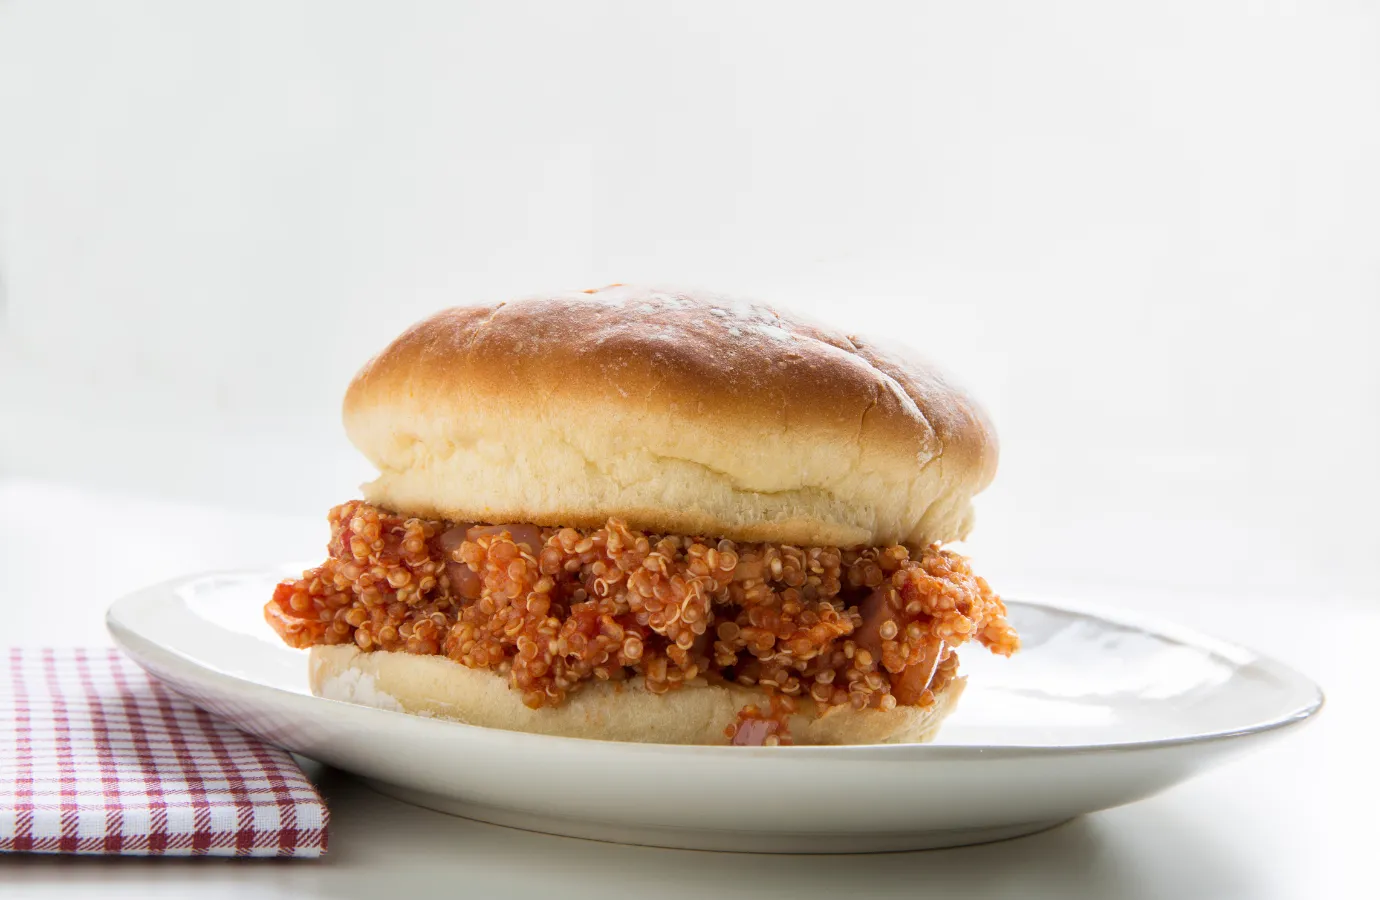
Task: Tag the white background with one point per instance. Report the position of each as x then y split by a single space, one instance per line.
1147 235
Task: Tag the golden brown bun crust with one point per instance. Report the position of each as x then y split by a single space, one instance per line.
436 686
678 412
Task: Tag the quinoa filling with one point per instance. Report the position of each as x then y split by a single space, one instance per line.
553 609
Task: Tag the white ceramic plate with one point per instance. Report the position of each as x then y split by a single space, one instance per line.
1093 712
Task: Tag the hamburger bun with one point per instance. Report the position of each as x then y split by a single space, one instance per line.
677 412
436 686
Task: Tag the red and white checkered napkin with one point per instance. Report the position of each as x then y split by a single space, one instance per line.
97 757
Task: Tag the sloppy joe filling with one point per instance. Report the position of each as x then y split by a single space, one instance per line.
553 609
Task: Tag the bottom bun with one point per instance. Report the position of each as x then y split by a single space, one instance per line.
624 711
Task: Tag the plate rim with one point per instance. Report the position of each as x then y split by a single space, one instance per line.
121 632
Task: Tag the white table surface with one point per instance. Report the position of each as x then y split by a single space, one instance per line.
1296 820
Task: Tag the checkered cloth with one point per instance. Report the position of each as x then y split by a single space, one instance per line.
97 757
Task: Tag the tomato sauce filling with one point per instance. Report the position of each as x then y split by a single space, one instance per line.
555 609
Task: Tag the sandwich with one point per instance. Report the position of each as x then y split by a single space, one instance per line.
653 515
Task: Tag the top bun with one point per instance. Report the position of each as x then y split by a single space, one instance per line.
676 411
